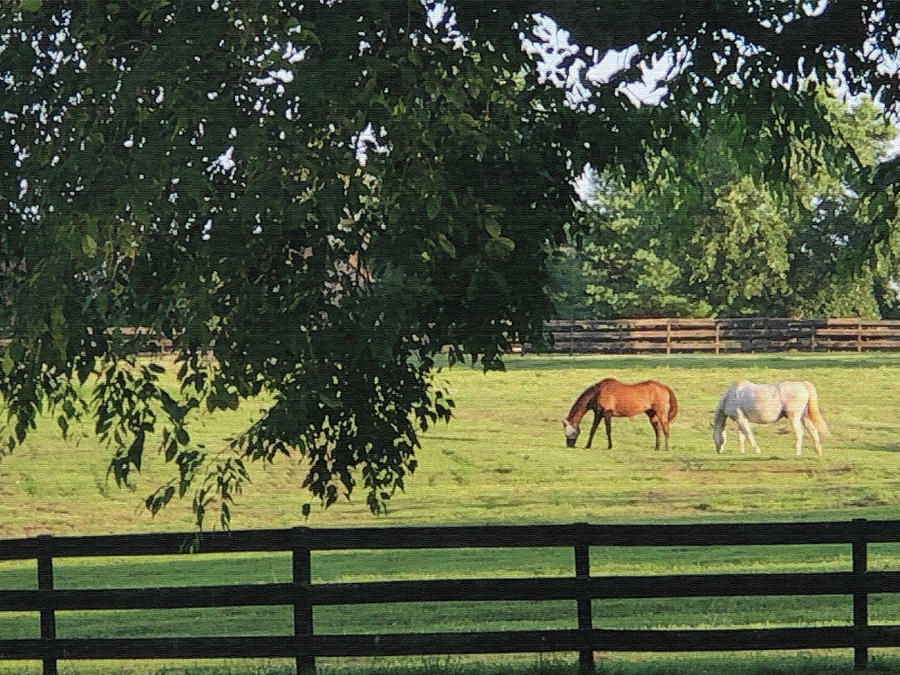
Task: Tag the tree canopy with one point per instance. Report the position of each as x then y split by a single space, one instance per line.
700 237
311 199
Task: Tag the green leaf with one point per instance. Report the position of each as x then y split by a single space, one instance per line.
136 450
88 246
231 400
433 208
329 400
447 245
331 201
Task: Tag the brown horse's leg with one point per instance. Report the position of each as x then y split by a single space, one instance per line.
665 427
607 419
655 423
593 428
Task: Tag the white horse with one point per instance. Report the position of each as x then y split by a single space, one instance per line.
746 402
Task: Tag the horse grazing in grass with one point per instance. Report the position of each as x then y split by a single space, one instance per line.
746 402
610 398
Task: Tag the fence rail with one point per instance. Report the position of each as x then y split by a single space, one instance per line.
658 335
305 644
721 335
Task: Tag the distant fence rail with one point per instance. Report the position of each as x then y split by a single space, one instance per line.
721 335
305 643
656 335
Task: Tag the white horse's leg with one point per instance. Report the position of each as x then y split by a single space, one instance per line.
797 424
744 429
812 431
741 439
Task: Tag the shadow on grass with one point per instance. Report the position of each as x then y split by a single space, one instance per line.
791 361
876 447
455 439
796 663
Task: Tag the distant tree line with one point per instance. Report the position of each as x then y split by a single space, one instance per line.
705 233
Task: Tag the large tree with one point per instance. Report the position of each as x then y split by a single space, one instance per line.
312 199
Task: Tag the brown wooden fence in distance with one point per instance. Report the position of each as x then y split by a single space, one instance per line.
721 335
585 584
627 336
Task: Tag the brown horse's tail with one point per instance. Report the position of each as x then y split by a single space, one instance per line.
673 404
815 415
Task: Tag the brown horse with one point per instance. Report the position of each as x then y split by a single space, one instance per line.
610 398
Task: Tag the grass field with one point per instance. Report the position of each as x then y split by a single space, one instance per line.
503 460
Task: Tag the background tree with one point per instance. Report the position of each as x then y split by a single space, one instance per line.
234 176
700 236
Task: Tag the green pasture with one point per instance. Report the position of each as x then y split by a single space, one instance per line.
503 460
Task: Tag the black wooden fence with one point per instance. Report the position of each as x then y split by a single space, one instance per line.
305 644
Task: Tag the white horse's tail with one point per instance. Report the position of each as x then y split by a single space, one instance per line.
815 415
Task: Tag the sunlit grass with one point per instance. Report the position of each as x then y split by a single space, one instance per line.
503 460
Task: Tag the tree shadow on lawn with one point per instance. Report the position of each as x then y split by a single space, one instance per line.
877 447
455 439
780 361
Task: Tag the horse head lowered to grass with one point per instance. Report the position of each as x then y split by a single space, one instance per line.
746 402
610 398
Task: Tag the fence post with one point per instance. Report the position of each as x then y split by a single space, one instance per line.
668 336
301 566
48 615
585 618
718 336
860 597
571 335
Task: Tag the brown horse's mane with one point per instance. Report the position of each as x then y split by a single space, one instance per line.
581 402
580 406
